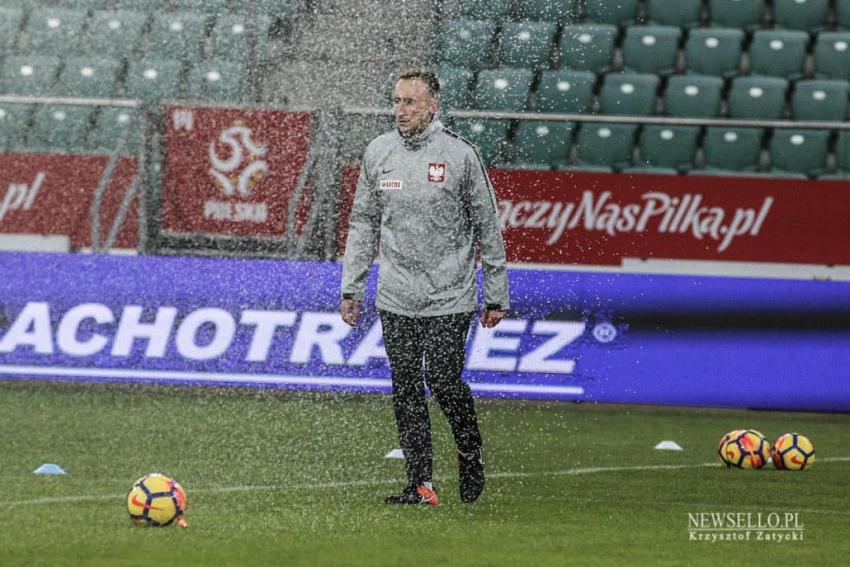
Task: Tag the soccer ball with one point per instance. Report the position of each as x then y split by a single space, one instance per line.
792 452
156 500
744 449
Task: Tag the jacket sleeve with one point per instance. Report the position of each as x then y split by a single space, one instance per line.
485 222
363 233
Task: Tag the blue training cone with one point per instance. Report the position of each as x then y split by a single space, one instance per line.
49 468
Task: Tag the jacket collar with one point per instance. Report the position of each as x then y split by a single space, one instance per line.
421 139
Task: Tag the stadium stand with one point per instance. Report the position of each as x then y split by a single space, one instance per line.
629 93
542 144
832 55
487 9
604 147
743 14
89 77
695 96
53 31
679 13
565 91
808 15
731 151
113 125
489 135
30 74
666 150
587 47
466 43
651 49
526 44
714 51
61 128
118 33
14 126
153 80
454 87
503 89
622 12
798 153
778 53
820 100
760 98
216 81
563 12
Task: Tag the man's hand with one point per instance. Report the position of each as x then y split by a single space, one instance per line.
350 311
491 317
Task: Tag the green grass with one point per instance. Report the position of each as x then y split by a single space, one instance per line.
314 478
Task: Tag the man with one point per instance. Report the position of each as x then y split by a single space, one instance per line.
424 199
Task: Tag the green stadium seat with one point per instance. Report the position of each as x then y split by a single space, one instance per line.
115 33
54 31
114 123
714 51
666 149
14 126
732 149
89 77
619 12
743 14
798 152
466 43
542 144
778 53
564 11
153 80
176 35
808 15
526 44
503 89
490 136
679 13
628 94
760 98
30 75
83 4
208 6
216 81
651 49
487 9
148 6
820 99
842 153
10 25
564 91
587 47
62 128
832 55
693 96
454 87
237 36
605 147
842 14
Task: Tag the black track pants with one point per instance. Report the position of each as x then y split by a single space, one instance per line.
440 343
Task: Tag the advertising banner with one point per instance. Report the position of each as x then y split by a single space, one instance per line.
232 172
596 218
570 336
52 194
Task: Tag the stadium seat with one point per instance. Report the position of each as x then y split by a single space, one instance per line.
10 25
62 128
797 152
832 55
216 81
542 144
617 13
820 99
208 6
489 135
808 15
526 44
732 149
503 89
237 36
454 87
693 96
778 53
651 49
153 80
628 94
89 76
587 47
487 9
842 154
466 43
176 36
666 149
29 75
114 123
14 126
714 51
117 33
54 31
679 13
605 147
842 14
565 91
757 98
564 11
743 14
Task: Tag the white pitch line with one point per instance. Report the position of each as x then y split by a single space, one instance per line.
376 482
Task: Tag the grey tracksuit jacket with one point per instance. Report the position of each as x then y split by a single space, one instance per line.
425 202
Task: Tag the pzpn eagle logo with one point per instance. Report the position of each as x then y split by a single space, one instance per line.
436 172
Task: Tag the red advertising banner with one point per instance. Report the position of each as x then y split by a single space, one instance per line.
52 194
595 218
232 172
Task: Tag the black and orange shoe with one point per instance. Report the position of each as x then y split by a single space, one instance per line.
422 494
470 475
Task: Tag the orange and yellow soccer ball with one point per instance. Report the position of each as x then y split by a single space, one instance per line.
744 449
156 500
793 452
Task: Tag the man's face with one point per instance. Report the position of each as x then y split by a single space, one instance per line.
413 105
